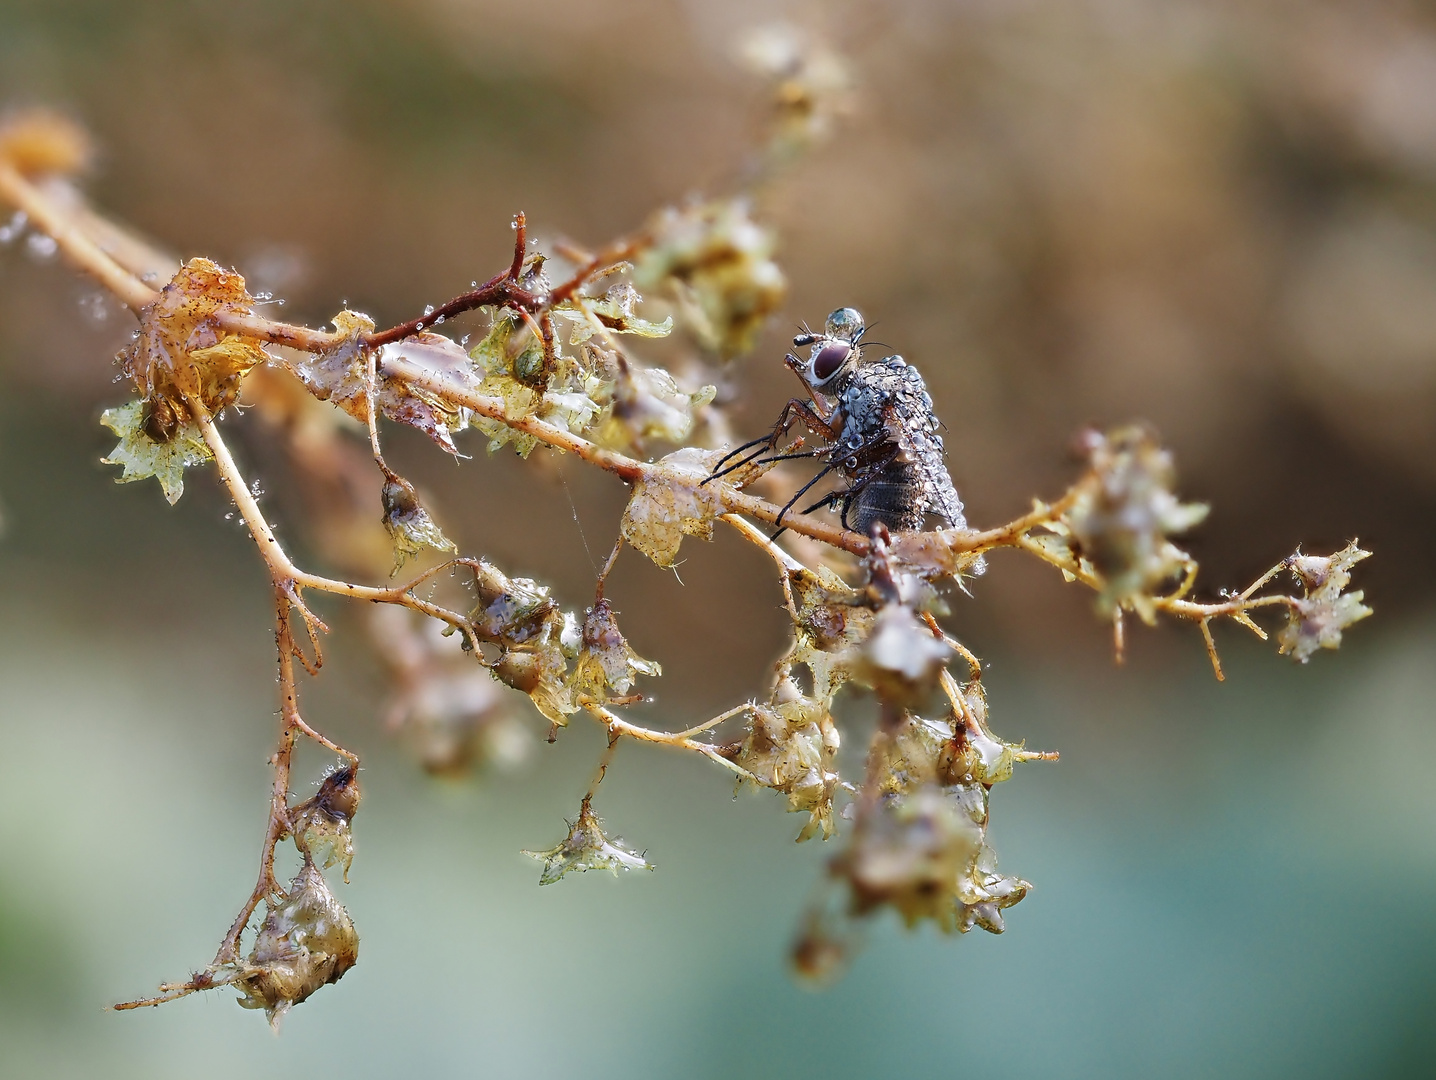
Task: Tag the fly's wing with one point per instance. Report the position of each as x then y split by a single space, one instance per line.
914 428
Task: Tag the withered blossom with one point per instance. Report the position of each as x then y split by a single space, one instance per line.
791 746
587 848
607 665
307 941
322 823
1120 523
718 263
1317 620
409 525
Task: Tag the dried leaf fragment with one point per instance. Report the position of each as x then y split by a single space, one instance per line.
180 351
142 456
672 502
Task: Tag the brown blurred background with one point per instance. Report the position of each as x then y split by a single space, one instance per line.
1219 217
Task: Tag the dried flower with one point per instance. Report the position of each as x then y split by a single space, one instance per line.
181 352
451 711
143 456
515 378
587 848
321 824
719 264
811 87
1316 621
1120 523
307 941
791 746
341 374
823 948
409 524
607 665
923 852
645 403
36 141
900 659
615 312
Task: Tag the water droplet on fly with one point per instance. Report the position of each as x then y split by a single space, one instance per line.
428 309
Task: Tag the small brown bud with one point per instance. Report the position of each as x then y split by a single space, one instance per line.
160 420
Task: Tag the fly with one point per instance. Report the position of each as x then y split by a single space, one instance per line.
879 433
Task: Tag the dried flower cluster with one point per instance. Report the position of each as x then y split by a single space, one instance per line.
555 369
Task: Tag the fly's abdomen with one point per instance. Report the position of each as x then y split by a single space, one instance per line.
893 496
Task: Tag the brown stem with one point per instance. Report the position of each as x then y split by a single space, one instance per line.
78 247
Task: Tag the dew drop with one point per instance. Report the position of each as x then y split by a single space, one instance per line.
94 307
11 230
428 309
40 246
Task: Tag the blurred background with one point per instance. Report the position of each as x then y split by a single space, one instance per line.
1218 217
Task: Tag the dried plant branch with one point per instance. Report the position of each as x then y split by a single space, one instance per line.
917 838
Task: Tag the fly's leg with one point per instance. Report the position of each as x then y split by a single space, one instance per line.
798 495
792 412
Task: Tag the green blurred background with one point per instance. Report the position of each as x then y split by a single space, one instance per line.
1220 217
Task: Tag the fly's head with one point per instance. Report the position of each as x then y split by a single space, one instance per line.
833 354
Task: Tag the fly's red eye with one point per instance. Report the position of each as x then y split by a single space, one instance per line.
830 357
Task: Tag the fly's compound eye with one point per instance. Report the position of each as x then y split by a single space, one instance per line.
829 359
